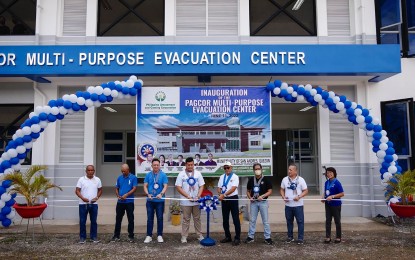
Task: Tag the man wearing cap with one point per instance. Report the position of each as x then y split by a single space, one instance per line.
189 184
228 190
257 191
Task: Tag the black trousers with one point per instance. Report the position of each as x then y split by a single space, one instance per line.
231 206
119 211
333 212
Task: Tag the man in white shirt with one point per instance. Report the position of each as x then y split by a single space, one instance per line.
293 189
228 190
88 189
189 184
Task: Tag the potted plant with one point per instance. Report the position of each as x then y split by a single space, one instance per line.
402 186
175 211
31 186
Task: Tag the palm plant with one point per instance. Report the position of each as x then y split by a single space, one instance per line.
403 186
30 184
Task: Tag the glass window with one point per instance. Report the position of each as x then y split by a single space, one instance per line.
130 18
282 18
17 17
112 147
113 158
113 150
113 136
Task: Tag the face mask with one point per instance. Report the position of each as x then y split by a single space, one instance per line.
258 172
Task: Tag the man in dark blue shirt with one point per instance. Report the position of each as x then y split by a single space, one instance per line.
124 189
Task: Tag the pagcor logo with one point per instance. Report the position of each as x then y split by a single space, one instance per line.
160 96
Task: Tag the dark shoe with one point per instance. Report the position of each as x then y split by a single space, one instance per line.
327 240
226 240
236 242
300 242
269 241
248 240
289 240
338 240
115 239
131 239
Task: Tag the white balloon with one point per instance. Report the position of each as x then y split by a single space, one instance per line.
395 157
46 109
20 149
32 114
21 161
357 112
318 98
65 97
336 99
26 130
35 128
12 152
91 89
133 78
89 103
308 87
73 98
28 145
38 109
381 154
284 85
375 121
294 94
16 167
384 139
99 90
290 90
2 204
107 92
383 146
392 169
114 93
5 197
129 83
360 119
19 133
117 82
80 101
343 111
340 106
122 83
370 133
43 124
300 98
387 176
393 163
12 214
383 132
142 82
14 137
381 160
313 92
325 106
332 94
54 111
362 125
354 105
276 91
70 111
322 102
370 139
63 111
97 103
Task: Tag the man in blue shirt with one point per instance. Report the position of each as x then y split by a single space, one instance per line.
155 186
124 189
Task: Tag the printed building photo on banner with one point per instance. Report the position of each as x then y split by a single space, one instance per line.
213 125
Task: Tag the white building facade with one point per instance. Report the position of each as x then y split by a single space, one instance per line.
312 138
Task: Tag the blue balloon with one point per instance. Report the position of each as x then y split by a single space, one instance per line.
52 103
12 144
51 118
111 85
283 92
293 99
5 164
118 87
6 184
325 95
390 151
94 97
133 92
67 104
319 90
277 83
27 138
59 116
295 87
382 171
336 111
86 95
14 195
6 222
329 101
301 91
35 135
35 120
43 116
386 165
75 107
352 118
310 99
332 107
10 203
350 111
102 98
368 119
84 108
347 104
377 136
376 143
59 102
21 155
388 158
137 85
399 168
14 160
109 99
79 94
2 190
125 90
359 107
6 210
313 103
365 112
343 98
270 86
104 85
27 122
19 141
2 217
273 94
288 97
390 144
369 126
377 128
307 94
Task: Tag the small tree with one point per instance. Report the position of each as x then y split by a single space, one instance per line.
403 186
30 184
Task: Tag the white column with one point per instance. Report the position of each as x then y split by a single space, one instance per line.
90 136
170 18
244 28
321 13
47 21
91 18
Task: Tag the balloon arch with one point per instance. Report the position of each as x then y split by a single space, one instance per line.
22 141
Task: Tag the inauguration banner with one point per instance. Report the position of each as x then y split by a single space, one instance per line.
211 124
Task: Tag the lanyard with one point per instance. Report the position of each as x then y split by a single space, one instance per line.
256 186
330 184
155 184
226 181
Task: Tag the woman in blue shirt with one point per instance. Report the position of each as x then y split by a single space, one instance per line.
333 191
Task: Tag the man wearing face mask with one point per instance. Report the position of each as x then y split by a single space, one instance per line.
258 190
